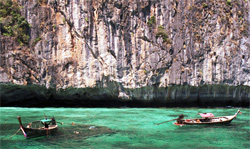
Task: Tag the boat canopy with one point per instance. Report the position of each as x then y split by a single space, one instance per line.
45 120
206 114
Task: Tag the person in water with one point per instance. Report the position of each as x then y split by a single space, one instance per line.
180 119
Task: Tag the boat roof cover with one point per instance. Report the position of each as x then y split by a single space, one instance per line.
206 114
45 120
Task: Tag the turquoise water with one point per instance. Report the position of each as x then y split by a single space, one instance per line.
125 128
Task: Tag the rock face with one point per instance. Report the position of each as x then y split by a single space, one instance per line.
172 96
137 44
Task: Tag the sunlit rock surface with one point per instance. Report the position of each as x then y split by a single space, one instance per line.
137 44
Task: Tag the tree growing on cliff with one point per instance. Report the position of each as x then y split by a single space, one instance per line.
152 22
161 32
12 23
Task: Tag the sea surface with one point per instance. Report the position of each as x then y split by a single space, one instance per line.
118 128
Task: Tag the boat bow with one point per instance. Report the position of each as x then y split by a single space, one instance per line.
237 113
19 120
21 126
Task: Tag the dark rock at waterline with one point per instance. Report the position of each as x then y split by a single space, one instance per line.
172 96
17 95
220 95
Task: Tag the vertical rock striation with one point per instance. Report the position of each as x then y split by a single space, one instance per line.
137 43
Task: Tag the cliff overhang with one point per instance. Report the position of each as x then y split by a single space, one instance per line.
172 96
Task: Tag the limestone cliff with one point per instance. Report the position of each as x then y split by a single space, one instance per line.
136 43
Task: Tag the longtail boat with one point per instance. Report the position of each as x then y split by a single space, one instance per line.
38 128
208 119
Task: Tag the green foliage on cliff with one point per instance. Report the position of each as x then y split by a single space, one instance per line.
229 2
12 23
152 21
36 40
161 32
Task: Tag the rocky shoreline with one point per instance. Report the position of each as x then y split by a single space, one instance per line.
113 96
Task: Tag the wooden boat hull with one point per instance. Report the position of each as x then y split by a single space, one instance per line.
179 124
37 132
207 123
210 121
32 133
